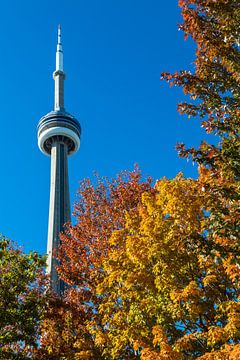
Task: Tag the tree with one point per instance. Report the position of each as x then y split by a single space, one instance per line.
150 259
99 211
64 334
170 291
21 300
215 84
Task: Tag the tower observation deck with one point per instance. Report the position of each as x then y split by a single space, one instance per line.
58 137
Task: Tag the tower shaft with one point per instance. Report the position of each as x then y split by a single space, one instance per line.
59 208
59 75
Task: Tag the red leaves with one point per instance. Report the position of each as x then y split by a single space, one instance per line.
181 3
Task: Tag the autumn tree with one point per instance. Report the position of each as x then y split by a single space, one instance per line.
215 98
150 259
99 210
21 300
214 89
171 288
64 334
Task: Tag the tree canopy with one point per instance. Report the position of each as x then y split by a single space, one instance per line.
21 300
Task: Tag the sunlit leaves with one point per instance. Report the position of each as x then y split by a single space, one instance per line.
167 271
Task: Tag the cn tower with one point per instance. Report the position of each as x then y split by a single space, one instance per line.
58 137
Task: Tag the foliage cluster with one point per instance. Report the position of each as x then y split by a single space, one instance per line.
22 300
154 271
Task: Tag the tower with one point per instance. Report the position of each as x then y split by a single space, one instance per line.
58 137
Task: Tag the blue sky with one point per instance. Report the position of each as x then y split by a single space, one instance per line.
114 53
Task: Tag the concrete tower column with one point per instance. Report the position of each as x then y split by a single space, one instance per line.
58 137
59 78
59 207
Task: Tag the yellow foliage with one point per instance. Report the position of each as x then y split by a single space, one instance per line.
167 269
186 342
216 335
209 279
227 352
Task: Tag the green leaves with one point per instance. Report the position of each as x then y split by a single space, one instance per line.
21 300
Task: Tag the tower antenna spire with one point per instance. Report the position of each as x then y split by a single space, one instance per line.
59 52
59 75
59 34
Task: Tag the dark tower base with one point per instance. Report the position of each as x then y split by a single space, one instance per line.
59 208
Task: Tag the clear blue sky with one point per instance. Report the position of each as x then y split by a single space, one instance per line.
114 53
